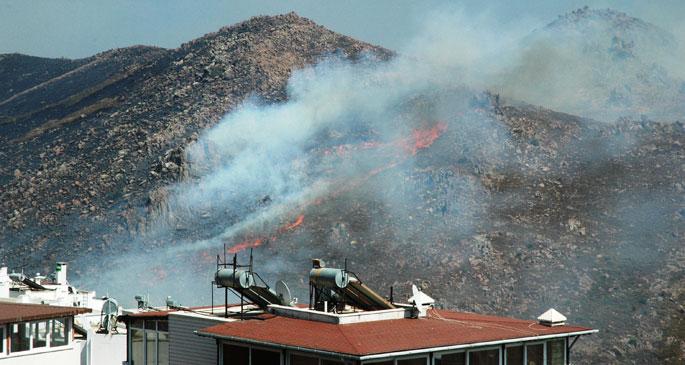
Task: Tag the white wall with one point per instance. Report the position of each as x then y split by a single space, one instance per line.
107 349
69 355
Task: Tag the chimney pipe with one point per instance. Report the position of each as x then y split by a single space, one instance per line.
61 273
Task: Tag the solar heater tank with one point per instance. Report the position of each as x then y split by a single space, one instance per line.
234 278
328 277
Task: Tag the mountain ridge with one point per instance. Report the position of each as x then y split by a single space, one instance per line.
525 195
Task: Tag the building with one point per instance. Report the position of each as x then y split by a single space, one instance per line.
344 323
100 342
296 336
163 336
40 334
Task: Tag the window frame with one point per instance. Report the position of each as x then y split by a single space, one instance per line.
486 348
3 339
27 324
416 356
264 348
238 344
533 343
300 353
522 345
425 356
68 332
48 334
460 351
564 349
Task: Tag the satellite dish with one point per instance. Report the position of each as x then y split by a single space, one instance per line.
108 315
283 293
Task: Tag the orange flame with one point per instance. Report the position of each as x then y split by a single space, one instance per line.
424 138
245 245
294 224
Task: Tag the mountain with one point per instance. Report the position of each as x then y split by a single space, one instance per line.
489 204
614 65
85 144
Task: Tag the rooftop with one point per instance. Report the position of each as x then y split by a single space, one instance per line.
439 329
20 312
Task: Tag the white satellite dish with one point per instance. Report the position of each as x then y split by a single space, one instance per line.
283 292
421 300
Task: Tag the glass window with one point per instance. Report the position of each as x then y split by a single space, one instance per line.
137 323
2 340
151 346
303 360
137 349
556 352
265 357
151 325
163 343
332 362
451 359
236 355
58 332
535 354
485 357
40 334
163 325
19 337
414 361
384 362
514 355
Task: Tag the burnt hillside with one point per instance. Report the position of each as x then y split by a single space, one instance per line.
490 204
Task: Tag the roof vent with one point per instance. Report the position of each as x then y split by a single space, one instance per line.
552 318
421 301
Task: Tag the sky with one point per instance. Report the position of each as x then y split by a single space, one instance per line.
80 28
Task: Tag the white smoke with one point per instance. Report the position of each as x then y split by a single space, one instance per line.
261 163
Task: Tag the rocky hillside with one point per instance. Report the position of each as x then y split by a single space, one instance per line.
86 141
615 65
490 205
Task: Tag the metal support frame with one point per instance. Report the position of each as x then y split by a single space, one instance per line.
569 346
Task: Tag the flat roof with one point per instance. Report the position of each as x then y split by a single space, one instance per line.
163 313
21 312
439 330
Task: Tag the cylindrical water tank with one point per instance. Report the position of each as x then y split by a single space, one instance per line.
234 278
328 277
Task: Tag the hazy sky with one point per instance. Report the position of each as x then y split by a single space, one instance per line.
79 28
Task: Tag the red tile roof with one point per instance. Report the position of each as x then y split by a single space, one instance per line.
440 328
20 312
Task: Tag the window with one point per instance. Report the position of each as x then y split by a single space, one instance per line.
40 334
2 340
265 357
236 355
451 359
151 342
414 361
19 337
514 355
484 357
331 362
556 352
137 349
59 335
303 360
163 349
535 354
384 362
